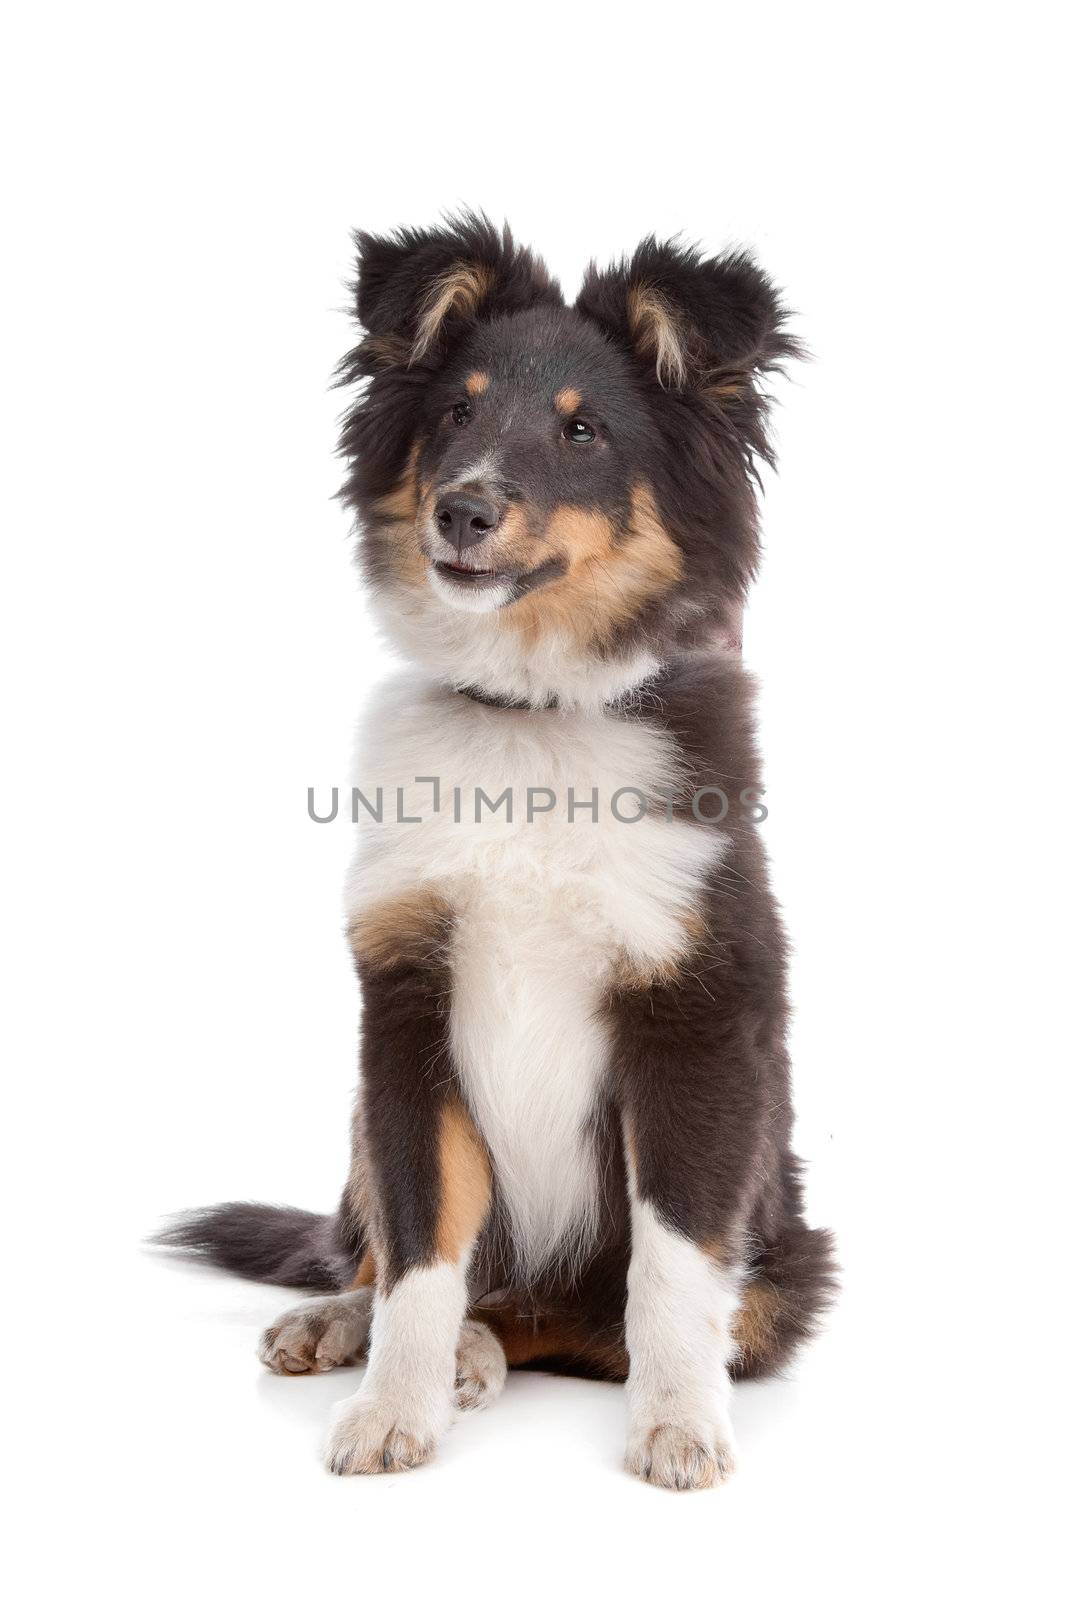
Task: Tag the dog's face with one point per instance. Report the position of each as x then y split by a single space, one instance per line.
577 479
529 474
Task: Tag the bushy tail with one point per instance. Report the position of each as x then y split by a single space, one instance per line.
793 1282
272 1244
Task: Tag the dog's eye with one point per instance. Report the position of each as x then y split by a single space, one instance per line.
462 413
579 432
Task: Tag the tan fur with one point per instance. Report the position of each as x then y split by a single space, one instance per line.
402 502
465 1182
366 1272
609 577
568 401
358 1201
477 383
658 333
409 928
756 1325
463 290
389 350
514 544
401 507
656 559
579 535
584 541
719 1250
556 1339
635 973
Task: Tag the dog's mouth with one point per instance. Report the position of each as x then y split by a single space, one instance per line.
470 577
467 587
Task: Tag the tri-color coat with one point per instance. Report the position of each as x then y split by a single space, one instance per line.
572 1142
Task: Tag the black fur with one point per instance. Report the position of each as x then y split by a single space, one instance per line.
395 274
270 1244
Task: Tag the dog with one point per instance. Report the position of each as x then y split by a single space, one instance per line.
571 1147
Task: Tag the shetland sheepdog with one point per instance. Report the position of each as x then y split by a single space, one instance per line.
571 1147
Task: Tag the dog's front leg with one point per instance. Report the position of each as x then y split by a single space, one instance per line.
692 1114
405 1402
681 1303
429 1189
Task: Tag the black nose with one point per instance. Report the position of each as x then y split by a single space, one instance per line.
463 519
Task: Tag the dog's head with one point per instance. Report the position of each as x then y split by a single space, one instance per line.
550 497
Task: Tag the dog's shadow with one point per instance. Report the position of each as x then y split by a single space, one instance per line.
305 1399
530 1401
533 1404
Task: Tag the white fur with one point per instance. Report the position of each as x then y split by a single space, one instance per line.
474 601
679 1315
405 1401
544 912
482 473
484 649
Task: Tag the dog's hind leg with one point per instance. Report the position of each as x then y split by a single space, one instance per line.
481 1366
333 1331
558 1339
318 1335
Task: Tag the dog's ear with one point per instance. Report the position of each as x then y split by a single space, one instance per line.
691 323
417 289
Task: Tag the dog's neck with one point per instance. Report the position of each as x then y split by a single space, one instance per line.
725 641
498 665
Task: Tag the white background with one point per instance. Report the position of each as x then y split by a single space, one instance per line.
186 651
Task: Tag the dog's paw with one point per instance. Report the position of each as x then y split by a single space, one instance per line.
678 1456
372 1435
319 1334
481 1366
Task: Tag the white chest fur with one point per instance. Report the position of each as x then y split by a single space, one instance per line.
545 910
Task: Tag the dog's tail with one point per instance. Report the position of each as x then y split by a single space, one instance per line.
272 1244
793 1282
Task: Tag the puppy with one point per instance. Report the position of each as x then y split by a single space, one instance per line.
572 1142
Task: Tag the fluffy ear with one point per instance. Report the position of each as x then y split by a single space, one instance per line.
417 288
691 323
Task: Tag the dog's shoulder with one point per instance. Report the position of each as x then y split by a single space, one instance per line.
707 705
